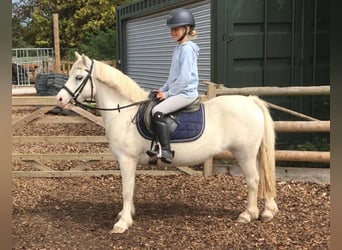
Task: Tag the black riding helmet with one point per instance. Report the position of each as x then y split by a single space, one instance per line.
181 17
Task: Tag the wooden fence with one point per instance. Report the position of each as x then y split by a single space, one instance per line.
310 125
66 65
45 104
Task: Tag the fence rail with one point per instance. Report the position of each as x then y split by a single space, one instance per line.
66 65
269 91
313 125
46 103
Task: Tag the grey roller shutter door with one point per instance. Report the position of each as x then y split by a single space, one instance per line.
149 47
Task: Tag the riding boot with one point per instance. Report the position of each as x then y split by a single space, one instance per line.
162 131
154 151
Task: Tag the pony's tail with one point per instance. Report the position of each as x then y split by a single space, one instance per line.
266 154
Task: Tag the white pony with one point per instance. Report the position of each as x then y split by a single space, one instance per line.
239 124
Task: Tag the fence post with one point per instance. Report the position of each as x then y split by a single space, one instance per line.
208 164
56 42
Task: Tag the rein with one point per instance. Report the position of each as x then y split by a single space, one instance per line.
118 107
74 95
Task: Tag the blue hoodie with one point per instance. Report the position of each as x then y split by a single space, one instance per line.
183 76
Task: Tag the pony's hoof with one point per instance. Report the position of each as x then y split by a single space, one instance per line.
248 215
119 227
267 215
243 219
118 230
266 218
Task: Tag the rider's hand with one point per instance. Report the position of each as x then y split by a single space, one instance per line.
159 94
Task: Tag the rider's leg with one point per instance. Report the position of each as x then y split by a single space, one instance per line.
163 136
167 106
172 104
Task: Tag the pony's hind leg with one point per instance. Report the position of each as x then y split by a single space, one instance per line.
128 169
270 210
249 170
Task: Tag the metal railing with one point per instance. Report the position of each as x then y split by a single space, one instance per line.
28 62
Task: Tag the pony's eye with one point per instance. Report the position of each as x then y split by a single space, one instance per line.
79 78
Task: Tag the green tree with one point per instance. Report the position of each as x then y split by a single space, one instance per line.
78 19
17 34
100 45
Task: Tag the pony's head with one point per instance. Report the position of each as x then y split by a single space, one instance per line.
79 85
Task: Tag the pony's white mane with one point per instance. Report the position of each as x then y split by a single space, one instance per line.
114 78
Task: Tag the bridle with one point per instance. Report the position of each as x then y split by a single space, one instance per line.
74 95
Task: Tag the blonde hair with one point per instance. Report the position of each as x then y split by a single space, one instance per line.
192 34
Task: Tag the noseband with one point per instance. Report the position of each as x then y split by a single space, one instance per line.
74 95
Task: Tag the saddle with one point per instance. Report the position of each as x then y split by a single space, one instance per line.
186 124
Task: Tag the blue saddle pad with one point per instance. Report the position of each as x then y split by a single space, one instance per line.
191 126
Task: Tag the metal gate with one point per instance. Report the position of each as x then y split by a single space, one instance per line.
28 62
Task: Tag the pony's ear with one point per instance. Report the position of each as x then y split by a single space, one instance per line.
86 61
77 55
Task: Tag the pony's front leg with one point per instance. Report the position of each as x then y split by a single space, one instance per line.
128 169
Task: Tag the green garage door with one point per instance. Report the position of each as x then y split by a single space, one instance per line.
274 43
268 43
